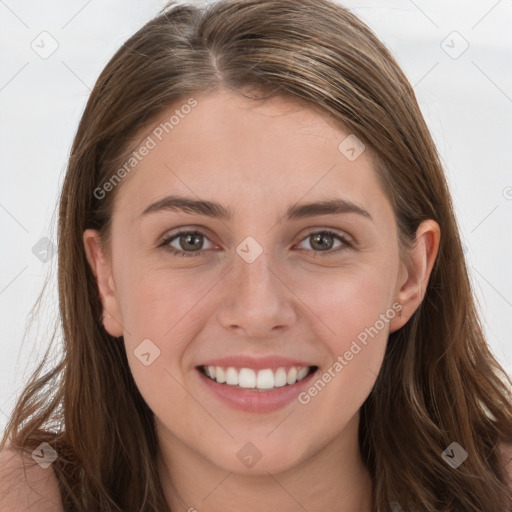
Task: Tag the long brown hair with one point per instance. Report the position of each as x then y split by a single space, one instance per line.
439 383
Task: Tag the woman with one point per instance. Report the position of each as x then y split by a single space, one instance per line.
264 299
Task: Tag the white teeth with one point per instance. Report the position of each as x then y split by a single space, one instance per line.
265 379
232 377
302 373
247 378
220 375
280 378
291 378
259 379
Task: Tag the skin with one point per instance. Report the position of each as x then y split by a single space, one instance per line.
294 300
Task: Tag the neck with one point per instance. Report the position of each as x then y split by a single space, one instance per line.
331 478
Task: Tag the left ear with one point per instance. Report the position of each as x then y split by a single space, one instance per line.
416 272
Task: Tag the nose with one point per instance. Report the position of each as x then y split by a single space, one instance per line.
256 301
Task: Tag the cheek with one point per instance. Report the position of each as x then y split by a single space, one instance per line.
167 308
349 300
159 314
151 303
163 302
355 309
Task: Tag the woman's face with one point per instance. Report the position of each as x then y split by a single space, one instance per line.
263 284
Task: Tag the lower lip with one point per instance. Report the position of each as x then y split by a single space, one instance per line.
256 401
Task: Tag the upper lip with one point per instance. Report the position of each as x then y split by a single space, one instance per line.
256 363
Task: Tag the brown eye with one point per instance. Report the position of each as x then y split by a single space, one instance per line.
192 241
323 241
187 243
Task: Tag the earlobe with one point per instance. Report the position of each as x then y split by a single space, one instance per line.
102 269
416 271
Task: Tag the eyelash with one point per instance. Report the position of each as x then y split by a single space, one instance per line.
166 241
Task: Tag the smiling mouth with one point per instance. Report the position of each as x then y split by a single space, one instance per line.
257 380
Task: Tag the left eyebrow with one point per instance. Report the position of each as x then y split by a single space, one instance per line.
218 211
329 207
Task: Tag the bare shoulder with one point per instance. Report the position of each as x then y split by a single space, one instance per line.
25 486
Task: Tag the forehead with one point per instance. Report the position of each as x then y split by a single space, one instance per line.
249 154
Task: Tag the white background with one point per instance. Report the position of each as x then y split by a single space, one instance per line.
467 102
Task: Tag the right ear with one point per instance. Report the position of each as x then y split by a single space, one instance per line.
102 270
